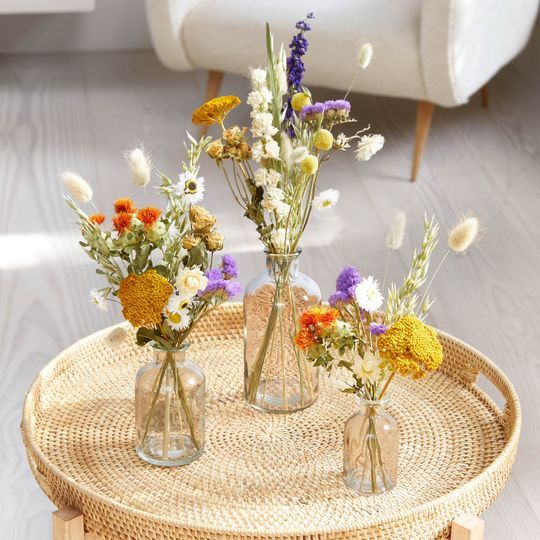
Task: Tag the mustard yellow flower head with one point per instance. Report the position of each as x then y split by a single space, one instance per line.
215 110
309 165
323 139
300 100
143 297
411 348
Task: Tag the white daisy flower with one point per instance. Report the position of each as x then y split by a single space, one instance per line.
178 320
326 199
367 294
368 146
367 368
98 299
178 302
190 187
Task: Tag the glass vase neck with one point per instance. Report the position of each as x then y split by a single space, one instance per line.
283 264
178 353
373 406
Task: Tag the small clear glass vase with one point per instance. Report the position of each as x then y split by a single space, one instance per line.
169 408
370 449
277 376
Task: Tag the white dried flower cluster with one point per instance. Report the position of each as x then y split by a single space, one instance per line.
77 186
396 232
278 239
273 196
368 146
342 142
266 177
262 125
140 163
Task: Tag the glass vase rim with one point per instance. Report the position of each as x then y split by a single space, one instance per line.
294 255
180 348
382 402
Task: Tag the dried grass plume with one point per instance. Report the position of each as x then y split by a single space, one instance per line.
396 232
464 233
365 54
140 163
77 186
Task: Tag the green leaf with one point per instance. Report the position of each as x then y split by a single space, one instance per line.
144 336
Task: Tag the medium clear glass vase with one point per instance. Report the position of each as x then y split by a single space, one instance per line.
277 375
370 449
169 408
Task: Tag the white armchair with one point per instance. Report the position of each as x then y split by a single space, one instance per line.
438 52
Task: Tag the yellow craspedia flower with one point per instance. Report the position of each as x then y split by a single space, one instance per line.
411 348
215 110
143 297
323 139
300 100
309 164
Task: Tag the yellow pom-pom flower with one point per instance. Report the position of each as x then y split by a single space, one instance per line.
411 348
143 297
215 110
309 165
323 139
300 100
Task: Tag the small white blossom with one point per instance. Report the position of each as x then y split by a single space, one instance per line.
262 125
266 177
258 77
98 299
272 197
77 186
326 199
257 151
278 239
368 367
367 294
368 146
342 141
283 209
271 149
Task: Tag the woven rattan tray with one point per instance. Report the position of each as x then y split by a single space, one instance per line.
264 476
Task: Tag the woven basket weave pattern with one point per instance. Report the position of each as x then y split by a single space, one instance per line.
264 475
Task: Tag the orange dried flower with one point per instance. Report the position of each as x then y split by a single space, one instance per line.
97 219
319 315
148 215
304 339
122 222
124 205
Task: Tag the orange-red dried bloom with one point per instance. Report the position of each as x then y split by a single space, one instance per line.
304 339
319 315
97 219
148 215
124 205
122 222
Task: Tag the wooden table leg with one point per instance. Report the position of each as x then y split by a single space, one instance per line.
67 524
467 527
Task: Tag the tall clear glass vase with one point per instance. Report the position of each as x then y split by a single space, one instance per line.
169 408
277 376
370 449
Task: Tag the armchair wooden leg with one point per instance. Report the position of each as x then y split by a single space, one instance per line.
484 93
424 114
468 527
213 85
67 524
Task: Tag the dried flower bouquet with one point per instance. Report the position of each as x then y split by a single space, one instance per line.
159 265
273 176
365 349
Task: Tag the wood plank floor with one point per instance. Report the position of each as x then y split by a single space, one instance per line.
81 111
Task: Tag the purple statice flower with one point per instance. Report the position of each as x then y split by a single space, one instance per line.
232 288
229 267
339 297
377 329
214 274
337 105
309 112
347 280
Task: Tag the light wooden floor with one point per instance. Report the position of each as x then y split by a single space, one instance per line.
80 111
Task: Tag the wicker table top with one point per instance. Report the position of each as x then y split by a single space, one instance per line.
264 475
